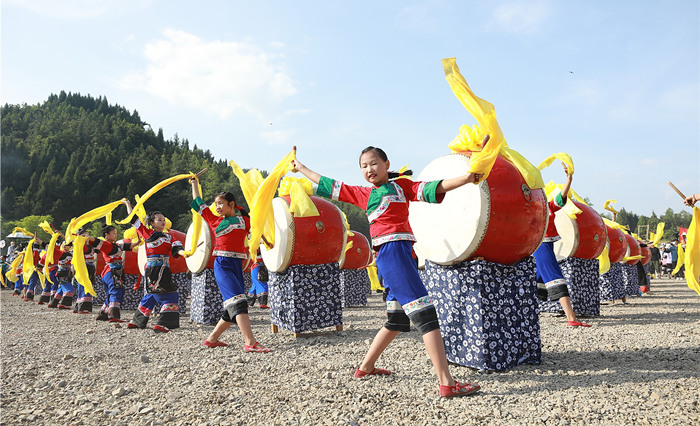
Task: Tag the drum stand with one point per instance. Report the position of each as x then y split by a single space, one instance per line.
584 290
305 298
354 287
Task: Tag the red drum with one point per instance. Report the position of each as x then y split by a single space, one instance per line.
312 240
635 249
584 237
177 266
131 263
202 258
501 219
359 255
618 245
99 262
646 252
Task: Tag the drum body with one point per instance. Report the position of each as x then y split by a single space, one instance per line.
202 258
584 237
646 252
618 245
131 263
177 266
359 255
500 220
314 240
635 248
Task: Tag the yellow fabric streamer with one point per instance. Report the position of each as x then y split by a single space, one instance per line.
561 156
552 189
50 248
286 183
300 203
81 271
261 208
615 225
28 268
42 279
153 190
91 216
24 231
604 261
470 138
635 257
659 234
196 229
610 208
12 273
403 169
250 183
681 260
136 241
692 252
374 278
348 246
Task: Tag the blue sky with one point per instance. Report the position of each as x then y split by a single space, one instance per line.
614 84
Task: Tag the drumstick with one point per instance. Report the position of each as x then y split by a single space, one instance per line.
676 189
202 172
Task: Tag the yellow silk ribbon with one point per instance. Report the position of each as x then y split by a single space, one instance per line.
604 261
250 183
153 190
681 260
299 191
610 208
373 277
50 248
196 229
81 271
658 235
635 257
91 216
261 208
615 225
28 268
552 190
24 231
12 273
692 252
561 156
470 138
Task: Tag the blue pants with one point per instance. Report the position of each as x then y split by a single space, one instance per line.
168 302
549 273
81 294
228 272
33 281
113 295
19 284
258 288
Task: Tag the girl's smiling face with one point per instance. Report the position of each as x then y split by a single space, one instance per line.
374 169
224 207
111 236
158 223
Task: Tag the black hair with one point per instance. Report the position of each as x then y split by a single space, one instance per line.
229 197
152 217
106 229
380 152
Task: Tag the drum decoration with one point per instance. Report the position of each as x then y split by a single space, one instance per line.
618 245
177 265
584 237
359 255
500 220
203 257
635 249
311 240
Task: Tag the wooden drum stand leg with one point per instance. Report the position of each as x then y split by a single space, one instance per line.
274 328
339 327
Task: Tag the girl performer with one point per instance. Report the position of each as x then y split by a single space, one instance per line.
386 205
231 227
159 283
548 271
112 274
259 289
30 286
63 298
83 303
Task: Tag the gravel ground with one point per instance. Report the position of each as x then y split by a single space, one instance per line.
638 364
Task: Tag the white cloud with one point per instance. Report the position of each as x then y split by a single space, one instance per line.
78 9
521 17
278 137
220 77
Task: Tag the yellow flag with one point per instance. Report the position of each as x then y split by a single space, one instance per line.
81 271
692 252
470 138
261 209
160 185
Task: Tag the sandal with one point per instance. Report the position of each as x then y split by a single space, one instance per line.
459 389
257 347
577 324
209 344
375 372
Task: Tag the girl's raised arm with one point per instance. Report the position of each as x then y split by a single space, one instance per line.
195 188
312 175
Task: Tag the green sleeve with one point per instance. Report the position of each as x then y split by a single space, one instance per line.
430 192
325 187
197 203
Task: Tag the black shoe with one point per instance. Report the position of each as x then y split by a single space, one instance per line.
102 316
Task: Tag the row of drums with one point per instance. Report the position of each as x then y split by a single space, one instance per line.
501 220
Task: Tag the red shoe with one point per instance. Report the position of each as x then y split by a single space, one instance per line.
40 303
160 329
131 325
63 307
84 312
577 324
375 372
257 347
264 307
209 344
116 320
459 389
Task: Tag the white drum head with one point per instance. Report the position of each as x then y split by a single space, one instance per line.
449 232
277 258
568 231
200 258
142 259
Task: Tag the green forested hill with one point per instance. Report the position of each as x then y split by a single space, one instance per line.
75 152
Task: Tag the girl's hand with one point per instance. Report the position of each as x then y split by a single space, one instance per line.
690 201
296 166
474 177
566 170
